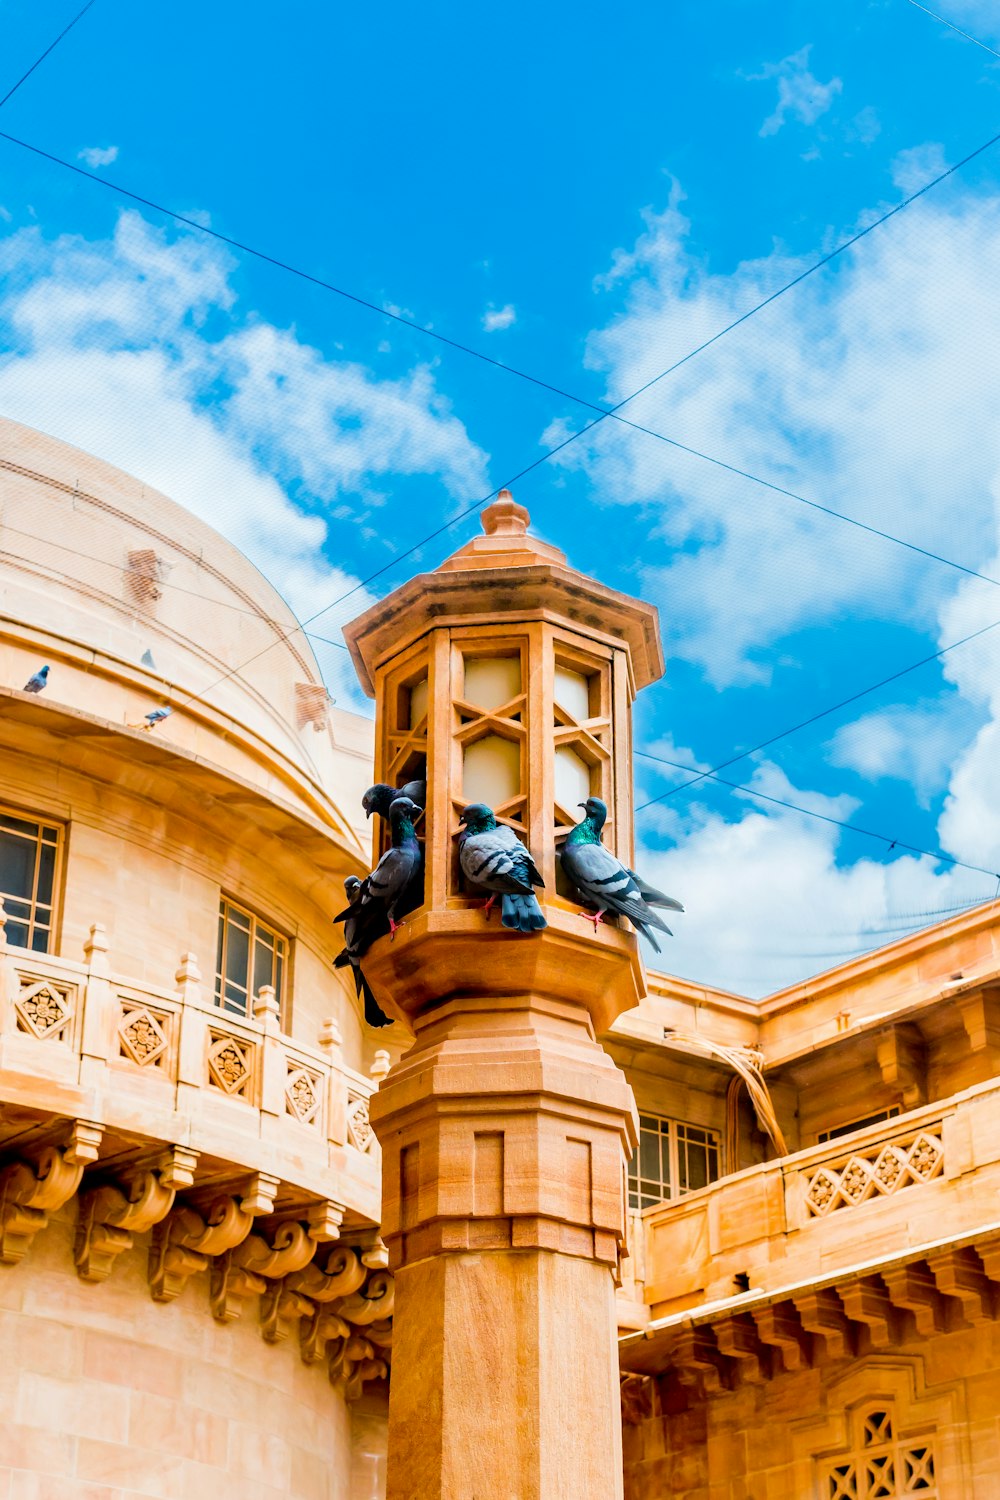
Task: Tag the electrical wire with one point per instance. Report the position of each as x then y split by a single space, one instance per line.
50 48
952 27
603 413
809 812
161 583
823 713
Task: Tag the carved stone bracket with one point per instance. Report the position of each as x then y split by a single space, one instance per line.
248 1268
110 1215
353 1362
636 1398
31 1190
184 1243
902 1060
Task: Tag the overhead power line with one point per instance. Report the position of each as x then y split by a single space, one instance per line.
809 812
952 27
41 58
603 413
822 713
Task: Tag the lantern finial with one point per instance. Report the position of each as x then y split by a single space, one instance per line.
505 517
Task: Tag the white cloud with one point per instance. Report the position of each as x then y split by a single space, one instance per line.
869 388
98 156
800 94
107 346
766 901
916 743
495 318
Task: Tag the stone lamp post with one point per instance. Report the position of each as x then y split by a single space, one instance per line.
509 677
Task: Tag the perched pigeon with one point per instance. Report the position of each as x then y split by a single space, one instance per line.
36 683
390 885
603 881
492 855
362 925
157 716
147 660
380 797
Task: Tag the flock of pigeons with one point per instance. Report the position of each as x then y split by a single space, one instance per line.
493 858
39 681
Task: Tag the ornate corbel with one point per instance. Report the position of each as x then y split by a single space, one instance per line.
319 1330
248 1268
636 1398
184 1242
31 1190
373 1304
281 1310
110 1215
344 1274
353 1361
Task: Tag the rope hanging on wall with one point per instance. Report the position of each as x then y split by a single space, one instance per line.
748 1064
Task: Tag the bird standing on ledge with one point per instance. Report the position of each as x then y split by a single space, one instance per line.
363 923
603 881
390 881
492 855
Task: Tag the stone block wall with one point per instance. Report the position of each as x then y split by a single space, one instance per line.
106 1395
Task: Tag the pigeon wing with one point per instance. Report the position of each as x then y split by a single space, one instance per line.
652 896
497 860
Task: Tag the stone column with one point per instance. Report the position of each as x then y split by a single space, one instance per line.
505 1129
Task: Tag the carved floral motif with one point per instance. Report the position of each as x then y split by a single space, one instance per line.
44 1009
141 1036
230 1065
302 1095
359 1128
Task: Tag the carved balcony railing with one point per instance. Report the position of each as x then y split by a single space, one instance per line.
165 1065
888 1186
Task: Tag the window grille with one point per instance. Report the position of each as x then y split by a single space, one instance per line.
850 1126
29 853
251 955
881 1466
672 1158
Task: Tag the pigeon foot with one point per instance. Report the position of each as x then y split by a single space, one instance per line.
489 906
595 917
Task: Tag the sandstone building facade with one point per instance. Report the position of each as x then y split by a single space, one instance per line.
194 1296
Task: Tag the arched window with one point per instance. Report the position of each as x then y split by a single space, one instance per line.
880 1465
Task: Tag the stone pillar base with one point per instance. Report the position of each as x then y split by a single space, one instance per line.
504 1364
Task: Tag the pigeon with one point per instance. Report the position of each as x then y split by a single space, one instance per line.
157 716
380 797
147 660
603 881
391 882
362 925
492 855
36 683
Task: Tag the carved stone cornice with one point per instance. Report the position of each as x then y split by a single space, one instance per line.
110 1214
248 1268
30 1190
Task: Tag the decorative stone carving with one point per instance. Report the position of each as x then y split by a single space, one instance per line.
344 1274
325 1219
31 1190
110 1215
44 1008
246 1269
302 1094
281 1310
230 1065
353 1362
142 1035
318 1331
183 1243
878 1172
359 1130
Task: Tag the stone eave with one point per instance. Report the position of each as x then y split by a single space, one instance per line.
324 848
660 1344
541 590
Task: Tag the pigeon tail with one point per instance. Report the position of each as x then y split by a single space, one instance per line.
647 933
374 1014
522 913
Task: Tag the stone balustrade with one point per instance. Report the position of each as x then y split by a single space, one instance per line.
239 1151
878 1191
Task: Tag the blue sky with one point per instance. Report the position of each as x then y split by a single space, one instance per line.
586 197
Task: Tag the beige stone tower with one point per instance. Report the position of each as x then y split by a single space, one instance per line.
504 1129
